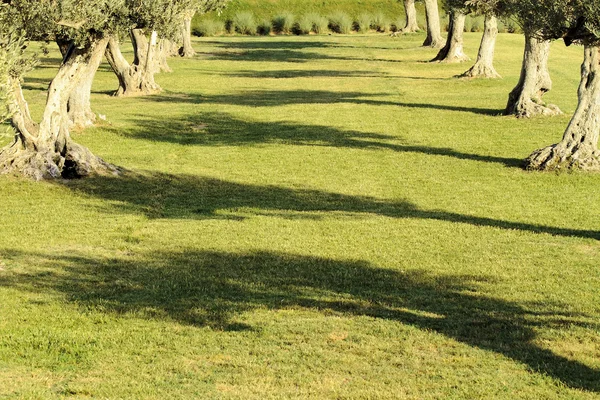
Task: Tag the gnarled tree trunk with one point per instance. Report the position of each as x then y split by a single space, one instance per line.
484 66
79 106
579 146
411 17
137 78
525 100
434 34
453 52
46 151
186 33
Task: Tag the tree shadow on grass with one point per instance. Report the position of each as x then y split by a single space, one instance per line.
32 83
160 195
275 98
300 73
286 55
222 129
284 51
269 44
208 288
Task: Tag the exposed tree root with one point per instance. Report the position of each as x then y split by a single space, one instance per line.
556 157
47 164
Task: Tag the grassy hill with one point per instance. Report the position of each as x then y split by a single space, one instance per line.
269 8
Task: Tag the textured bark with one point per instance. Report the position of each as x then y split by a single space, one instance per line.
411 17
186 33
453 52
484 66
434 36
525 100
79 106
137 78
579 146
46 151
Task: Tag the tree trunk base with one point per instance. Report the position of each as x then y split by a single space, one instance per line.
434 43
46 164
80 120
480 70
556 158
186 52
459 58
528 109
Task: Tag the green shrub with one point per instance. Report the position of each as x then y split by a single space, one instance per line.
468 23
421 21
320 24
304 25
284 23
501 26
363 23
477 24
513 27
264 28
380 23
208 27
340 22
398 24
244 23
445 22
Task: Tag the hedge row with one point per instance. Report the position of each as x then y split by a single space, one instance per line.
246 23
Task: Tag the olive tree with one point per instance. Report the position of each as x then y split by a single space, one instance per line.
411 17
192 8
453 51
434 32
576 21
152 22
45 149
526 99
484 65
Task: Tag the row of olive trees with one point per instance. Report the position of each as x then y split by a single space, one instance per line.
575 21
84 31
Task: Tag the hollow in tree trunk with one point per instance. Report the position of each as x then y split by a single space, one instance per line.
137 78
525 100
79 106
411 17
579 146
434 36
46 151
453 52
63 45
186 33
484 66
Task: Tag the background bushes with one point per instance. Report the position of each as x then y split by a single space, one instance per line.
340 22
244 23
385 16
284 23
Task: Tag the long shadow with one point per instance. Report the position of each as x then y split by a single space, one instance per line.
269 44
233 53
193 197
32 83
218 129
300 73
204 288
289 51
274 98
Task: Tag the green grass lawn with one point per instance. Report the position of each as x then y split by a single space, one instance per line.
325 217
